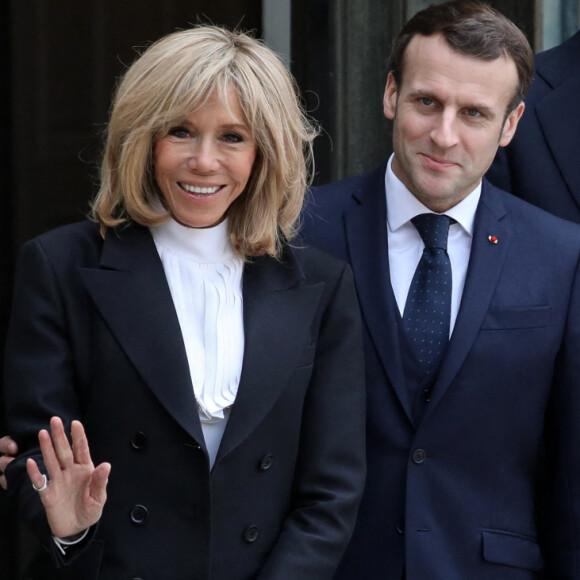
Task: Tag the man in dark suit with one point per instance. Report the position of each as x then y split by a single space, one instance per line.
473 415
541 164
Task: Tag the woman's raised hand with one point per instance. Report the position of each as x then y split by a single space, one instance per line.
76 491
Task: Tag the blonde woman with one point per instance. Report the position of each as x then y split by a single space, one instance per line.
209 373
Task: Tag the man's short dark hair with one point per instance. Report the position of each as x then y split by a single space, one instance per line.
472 28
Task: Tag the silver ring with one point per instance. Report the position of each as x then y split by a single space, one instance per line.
43 486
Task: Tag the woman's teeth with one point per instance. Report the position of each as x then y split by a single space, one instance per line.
202 190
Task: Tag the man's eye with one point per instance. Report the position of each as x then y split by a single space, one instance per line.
426 101
473 113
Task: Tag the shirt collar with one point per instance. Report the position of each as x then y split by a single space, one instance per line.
402 205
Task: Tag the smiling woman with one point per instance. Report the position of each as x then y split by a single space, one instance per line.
248 90
202 166
192 352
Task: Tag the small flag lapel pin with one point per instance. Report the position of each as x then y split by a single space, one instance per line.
492 239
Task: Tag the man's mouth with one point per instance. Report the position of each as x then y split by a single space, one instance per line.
437 162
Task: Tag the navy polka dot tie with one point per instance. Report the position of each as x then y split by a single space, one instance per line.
428 307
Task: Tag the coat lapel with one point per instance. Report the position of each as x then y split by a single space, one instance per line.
279 308
131 293
366 232
485 266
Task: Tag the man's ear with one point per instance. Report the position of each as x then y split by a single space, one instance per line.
390 98
510 125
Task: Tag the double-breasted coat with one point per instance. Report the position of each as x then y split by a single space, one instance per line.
94 336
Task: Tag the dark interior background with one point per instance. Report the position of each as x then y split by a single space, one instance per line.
59 61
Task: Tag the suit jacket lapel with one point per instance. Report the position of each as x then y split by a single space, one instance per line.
131 292
366 232
278 313
562 136
485 266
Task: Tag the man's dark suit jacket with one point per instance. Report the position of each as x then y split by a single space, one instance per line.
455 494
542 163
94 336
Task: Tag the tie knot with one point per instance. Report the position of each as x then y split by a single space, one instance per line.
433 229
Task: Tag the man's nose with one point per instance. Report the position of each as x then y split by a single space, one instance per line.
444 133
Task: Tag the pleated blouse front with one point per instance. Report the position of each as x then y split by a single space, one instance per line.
205 279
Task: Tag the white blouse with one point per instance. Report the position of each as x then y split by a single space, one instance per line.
205 278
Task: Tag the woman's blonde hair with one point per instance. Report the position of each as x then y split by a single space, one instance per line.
169 81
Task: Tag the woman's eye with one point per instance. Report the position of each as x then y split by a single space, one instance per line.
179 132
233 138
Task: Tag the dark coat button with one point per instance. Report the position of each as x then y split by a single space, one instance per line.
401 528
139 441
418 456
267 462
427 395
139 514
251 534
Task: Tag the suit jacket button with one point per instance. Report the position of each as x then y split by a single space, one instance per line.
139 441
401 528
427 395
267 462
139 514
418 456
251 534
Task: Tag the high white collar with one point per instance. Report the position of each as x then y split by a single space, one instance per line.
202 245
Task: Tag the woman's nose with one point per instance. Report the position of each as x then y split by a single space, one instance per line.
204 157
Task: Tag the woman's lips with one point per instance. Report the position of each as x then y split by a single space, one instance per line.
200 190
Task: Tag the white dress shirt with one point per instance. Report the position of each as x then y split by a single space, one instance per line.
205 278
406 246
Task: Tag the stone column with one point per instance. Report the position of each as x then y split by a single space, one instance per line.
339 57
